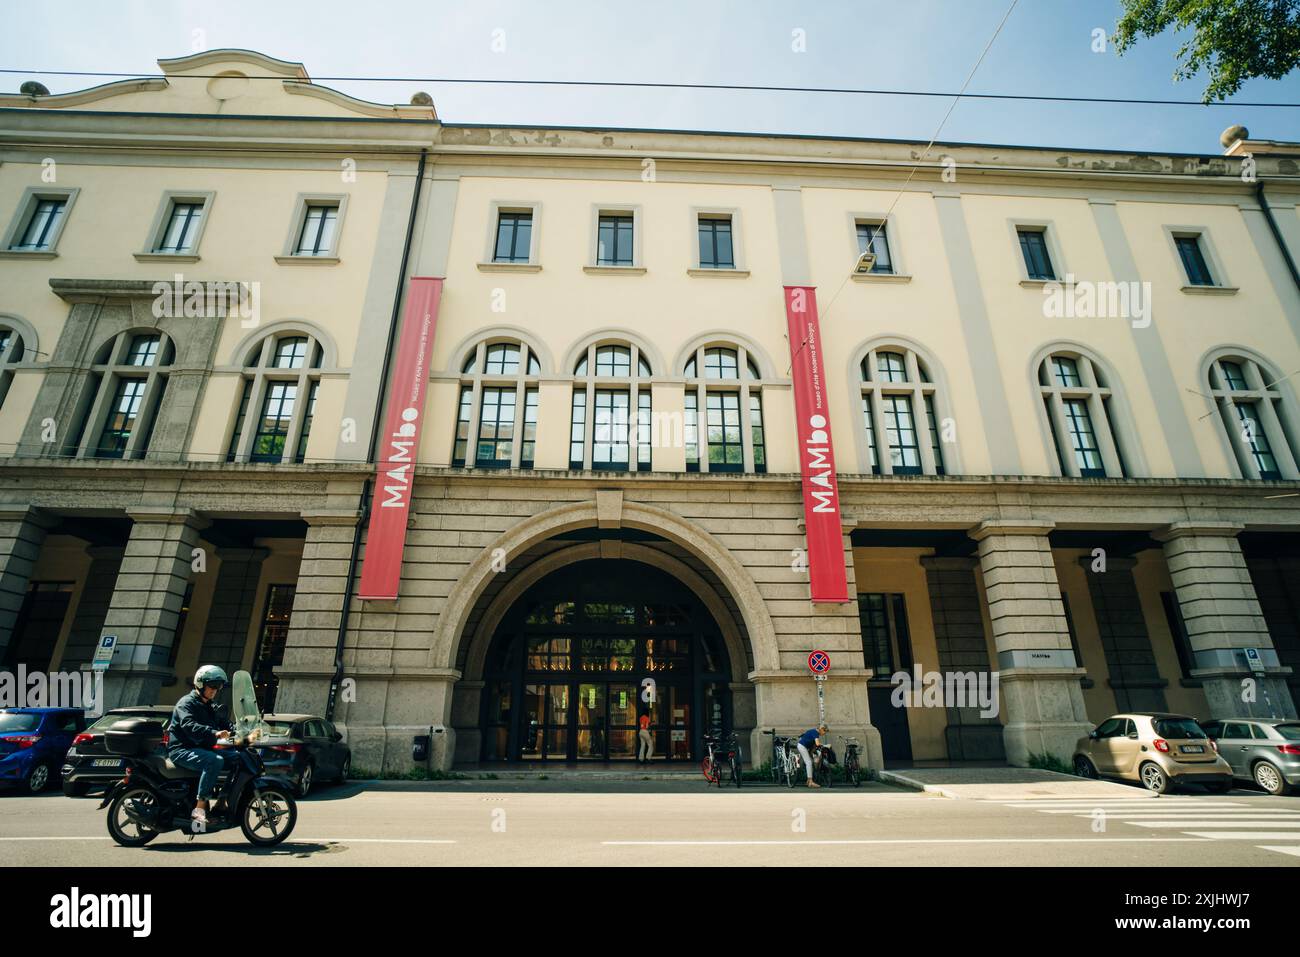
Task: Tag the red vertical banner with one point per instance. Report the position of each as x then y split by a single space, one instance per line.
399 447
821 493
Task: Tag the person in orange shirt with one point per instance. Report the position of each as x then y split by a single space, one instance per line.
647 749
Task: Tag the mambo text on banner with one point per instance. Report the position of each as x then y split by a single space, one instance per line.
821 493
382 570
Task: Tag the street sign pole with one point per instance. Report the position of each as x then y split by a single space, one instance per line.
819 663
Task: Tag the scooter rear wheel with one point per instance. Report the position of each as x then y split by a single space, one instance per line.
121 828
267 831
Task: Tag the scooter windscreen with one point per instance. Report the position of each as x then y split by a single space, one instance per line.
247 715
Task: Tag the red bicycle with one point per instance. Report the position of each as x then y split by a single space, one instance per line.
721 756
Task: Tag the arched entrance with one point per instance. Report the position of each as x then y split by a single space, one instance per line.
587 650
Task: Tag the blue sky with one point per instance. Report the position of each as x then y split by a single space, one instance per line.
1045 49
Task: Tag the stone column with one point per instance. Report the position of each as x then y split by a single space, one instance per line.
1038 675
308 667
147 600
1222 616
22 533
233 604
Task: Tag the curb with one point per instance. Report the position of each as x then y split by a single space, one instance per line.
894 777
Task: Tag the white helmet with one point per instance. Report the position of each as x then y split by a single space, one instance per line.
209 675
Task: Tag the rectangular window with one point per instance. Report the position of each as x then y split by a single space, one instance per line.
722 431
273 425
691 430
578 428
900 430
514 238
122 417
496 428
462 425
757 432
873 237
886 644
1033 244
614 241
271 643
528 450
239 421
306 423
1087 456
1252 434
716 250
42 226
609 437
1069 627
935 445
1182 644
317 235
643 429
181 228
1189 250
871 434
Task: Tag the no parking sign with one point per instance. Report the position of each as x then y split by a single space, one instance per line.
819 662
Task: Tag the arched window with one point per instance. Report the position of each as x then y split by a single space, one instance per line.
604 433
498 403
12 350
277 399
1251 410
732 437
127 383
896 391
1077 401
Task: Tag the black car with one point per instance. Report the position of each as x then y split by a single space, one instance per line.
304 748
89 765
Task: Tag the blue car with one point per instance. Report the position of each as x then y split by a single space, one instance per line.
33 742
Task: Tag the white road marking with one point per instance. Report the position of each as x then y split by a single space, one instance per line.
1293 849
1219 822
922 840
1246 835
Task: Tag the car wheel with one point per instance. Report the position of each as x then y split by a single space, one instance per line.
1269 778
38 778
1153 778
76 789
345 770
304 781
1085 768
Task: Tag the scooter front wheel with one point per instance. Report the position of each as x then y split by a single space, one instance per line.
125 829
268 819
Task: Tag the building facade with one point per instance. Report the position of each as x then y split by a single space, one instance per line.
1062 398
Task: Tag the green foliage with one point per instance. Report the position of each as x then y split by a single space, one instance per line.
413 774
1232 40
1050 762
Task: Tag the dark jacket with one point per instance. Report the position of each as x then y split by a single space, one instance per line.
195 723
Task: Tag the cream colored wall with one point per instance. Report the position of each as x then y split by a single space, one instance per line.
562 306
924 311
899 571
1192 324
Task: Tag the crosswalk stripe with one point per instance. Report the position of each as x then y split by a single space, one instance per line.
1245 835
1218 822
1182 809
1281 848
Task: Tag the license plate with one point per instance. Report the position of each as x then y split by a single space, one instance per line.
107 763
1192 748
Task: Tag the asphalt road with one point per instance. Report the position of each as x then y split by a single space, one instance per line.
500 823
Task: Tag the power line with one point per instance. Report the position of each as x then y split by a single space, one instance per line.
739 87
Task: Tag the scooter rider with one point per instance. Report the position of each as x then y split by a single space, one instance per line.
196 726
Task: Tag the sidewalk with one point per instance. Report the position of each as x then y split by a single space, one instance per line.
1009 784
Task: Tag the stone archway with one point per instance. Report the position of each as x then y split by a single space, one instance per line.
606 510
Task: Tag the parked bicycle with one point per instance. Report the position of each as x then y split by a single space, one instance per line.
786 764
721 758
823 763
852 765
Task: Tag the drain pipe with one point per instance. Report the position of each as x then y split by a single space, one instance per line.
363 506
1277 234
